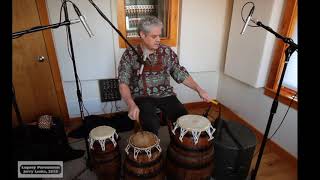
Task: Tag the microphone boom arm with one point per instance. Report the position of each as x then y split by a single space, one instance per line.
40 28
284 39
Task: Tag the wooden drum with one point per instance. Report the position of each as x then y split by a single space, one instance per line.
105 154
143 157
190 153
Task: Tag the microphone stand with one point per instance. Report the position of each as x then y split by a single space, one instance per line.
288 52
79 95
21 33
40 28
67 23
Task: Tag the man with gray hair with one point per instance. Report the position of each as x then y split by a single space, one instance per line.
146 87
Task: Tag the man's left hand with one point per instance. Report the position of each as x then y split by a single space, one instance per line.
204 95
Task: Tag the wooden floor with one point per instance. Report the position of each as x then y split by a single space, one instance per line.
273 166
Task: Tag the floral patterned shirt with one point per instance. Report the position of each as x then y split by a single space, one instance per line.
155 78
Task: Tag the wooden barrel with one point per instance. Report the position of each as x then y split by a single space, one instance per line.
148 161
106 163
187 159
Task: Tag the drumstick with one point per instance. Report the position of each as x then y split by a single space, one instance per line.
214 102
140 128
207 111
139 125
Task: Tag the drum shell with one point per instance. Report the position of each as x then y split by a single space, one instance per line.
106 164
186 160
144 167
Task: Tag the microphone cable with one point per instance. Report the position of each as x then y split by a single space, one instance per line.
242 13
280 123
284 116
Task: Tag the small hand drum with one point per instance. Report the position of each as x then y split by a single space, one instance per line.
101 134
105 153
143 141
143 157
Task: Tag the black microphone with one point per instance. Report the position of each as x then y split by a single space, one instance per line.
247 20
83 20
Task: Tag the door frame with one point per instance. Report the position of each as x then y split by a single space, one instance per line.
55 71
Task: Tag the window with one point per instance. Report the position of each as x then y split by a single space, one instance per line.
131 11
290 78
137 9
289 84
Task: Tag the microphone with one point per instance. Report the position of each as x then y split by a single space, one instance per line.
83 20
142 66
247 20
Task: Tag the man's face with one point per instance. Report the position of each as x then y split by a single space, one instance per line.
152 39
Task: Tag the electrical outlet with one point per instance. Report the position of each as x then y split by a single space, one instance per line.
109 90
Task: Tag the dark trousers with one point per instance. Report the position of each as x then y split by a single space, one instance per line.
170 106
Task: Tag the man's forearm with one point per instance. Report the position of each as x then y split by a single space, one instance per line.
191 84
126 94
133 111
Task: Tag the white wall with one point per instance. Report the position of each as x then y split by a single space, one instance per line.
92 63
98 57
94 57
203 32
248 55
198 32
252 105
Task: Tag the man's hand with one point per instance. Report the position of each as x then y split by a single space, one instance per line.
203 95
126 95
134 112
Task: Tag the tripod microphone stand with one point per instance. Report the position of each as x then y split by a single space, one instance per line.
292 47
79 95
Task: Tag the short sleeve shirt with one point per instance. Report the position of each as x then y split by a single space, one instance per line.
155 78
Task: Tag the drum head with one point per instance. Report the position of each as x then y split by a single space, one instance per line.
193 122
143 139
102 132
